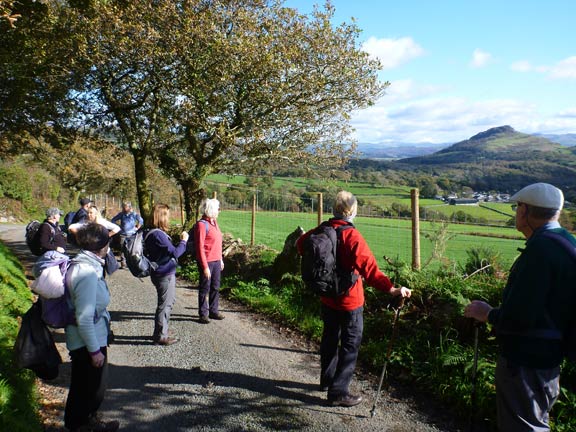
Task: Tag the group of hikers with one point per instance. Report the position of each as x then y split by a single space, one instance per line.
536 310
91 235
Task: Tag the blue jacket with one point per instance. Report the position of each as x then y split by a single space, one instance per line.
128 222
159 248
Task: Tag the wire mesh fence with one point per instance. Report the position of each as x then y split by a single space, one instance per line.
268 218
269 221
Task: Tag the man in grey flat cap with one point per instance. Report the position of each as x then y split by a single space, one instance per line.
536 312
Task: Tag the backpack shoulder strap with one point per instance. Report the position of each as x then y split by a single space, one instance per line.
205 223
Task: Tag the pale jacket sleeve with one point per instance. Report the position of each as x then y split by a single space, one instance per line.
83 293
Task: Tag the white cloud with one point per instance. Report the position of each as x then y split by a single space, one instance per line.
522 66
480 58
564 69
439 118
393 52
568 113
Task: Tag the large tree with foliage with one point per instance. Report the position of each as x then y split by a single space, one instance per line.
206 86
264 87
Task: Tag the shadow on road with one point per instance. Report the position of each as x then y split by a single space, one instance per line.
206 404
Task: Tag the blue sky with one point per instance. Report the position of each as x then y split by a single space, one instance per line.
459 67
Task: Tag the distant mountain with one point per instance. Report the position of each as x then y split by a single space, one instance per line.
498 144
397 150
568 140
500 159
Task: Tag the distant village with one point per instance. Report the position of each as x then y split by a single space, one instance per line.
476 198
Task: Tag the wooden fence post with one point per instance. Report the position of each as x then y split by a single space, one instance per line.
320 207
253 230
414 193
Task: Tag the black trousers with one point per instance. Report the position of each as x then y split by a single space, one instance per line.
87 388
339 347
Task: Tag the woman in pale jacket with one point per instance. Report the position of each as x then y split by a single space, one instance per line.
94 215
87 340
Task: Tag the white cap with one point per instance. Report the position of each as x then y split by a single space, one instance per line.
540 195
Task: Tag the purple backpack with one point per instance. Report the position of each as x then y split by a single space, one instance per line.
50 271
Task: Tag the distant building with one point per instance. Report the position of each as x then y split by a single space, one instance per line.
463 201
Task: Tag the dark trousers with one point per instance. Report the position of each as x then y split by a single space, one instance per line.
87 388
209 288
525 396
341 340
166 291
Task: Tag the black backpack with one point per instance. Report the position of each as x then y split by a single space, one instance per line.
321 272
33 237
68 219
136 259
191 244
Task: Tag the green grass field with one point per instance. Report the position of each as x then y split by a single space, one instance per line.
390 237
376 195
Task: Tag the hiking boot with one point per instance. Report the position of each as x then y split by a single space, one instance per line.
166 341
204 320
216 316
345 400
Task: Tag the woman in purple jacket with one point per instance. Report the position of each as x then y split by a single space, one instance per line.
159 249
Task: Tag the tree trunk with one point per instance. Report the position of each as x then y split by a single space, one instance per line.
193 195
145 200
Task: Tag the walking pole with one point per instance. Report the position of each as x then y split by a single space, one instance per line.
474 375
388 354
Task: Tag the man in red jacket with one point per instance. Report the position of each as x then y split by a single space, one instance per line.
342 316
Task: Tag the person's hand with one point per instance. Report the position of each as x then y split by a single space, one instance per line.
221 264
184 236
97 359
60 249
207 273
478 310
402 291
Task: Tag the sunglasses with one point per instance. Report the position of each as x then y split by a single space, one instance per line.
515 206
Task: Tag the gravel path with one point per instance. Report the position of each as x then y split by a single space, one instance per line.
239 374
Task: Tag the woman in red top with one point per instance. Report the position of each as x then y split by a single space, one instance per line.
342 316
208 243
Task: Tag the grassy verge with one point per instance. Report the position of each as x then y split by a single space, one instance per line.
18 397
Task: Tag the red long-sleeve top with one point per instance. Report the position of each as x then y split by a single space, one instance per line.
353 252
208 244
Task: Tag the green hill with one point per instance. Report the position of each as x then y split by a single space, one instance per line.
501 159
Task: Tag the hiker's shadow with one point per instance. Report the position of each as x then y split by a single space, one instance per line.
222 392
135 378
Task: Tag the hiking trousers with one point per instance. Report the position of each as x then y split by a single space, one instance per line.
87 388
166 291
339 347
525 396
209 288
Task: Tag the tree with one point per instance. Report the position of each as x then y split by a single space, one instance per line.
269 87
197 86
32 82
201 87
6 12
